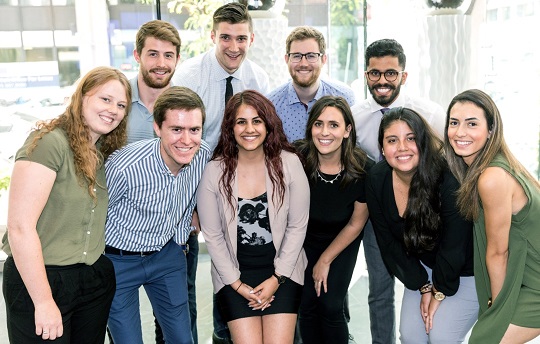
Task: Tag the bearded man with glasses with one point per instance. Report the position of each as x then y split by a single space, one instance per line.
305 58
384 76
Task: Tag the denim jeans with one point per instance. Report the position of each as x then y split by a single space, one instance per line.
192 258
163 275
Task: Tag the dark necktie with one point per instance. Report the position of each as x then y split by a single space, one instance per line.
228 89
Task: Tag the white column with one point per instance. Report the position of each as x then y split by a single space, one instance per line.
448 70
92 18
268 49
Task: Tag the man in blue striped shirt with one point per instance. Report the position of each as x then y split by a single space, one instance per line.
152 186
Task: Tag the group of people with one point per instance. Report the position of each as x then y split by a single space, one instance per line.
284 185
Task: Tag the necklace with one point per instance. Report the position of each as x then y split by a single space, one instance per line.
329 181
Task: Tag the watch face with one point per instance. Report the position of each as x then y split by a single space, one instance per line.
439 296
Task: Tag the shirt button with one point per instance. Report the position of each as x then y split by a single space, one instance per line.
88 232
92 210
84 253
95 190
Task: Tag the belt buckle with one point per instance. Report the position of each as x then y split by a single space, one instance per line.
143 254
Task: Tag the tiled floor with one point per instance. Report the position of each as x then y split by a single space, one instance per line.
359 325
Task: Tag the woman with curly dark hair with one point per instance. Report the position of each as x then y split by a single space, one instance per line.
412 204
253 204
57 282
336 170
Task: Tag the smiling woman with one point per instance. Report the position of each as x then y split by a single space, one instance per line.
60 168
503 200
423 239
256 199
337 170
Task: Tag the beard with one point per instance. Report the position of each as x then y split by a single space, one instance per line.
150 82
385 100
306 83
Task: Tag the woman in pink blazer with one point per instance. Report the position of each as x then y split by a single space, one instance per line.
253 205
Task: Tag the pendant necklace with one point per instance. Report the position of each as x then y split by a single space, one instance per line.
329 181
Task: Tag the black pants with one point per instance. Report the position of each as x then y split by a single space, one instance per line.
83 294
322 319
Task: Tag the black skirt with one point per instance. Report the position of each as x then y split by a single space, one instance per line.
257 265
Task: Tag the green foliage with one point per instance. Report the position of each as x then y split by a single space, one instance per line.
346 12
4 183
345 17
200 19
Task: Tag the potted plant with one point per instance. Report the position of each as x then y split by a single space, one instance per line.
444 3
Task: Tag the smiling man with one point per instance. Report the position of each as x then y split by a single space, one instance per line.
207 74
152 186
384 76
305 58
157 50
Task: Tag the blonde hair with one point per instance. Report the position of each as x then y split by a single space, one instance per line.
86 158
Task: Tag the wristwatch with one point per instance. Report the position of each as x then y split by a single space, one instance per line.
439 296
281 279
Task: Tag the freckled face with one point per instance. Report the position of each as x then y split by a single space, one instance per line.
104 108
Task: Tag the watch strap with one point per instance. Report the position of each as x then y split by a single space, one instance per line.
281 279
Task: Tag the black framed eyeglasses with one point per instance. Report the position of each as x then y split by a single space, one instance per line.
389 75
310 57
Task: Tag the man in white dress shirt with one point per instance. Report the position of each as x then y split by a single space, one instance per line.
207 73
384 76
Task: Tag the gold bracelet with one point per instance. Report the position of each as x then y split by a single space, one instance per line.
426 288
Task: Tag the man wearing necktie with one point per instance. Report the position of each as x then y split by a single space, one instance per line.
224 68
228 89
218 74
385 74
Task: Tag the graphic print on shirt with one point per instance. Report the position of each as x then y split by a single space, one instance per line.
253 224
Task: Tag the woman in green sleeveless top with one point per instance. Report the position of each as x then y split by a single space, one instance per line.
503 199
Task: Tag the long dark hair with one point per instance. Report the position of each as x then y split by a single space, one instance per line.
275 142
422 215
353 159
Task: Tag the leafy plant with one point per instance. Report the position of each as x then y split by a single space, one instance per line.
4 183
345 12
444 3
345 17
200 19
